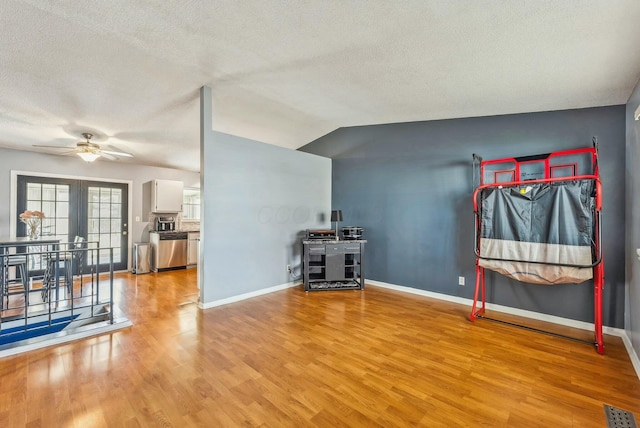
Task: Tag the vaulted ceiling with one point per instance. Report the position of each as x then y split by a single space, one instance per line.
288 72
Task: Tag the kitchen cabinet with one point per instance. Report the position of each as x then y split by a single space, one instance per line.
332 265
192 249
166 196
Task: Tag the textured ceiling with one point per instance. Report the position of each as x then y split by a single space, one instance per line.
288 72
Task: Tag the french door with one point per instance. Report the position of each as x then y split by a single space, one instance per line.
95 210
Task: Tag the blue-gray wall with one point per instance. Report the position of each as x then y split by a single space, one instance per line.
258 198
632 321
410 185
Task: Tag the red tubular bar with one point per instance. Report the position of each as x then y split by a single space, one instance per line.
598 268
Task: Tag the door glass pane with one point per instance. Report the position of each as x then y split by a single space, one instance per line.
53 201
62 227
105 196
49 208
48 192
62 209
105 240
48 226
34 191
116 209
93 226
93 195
34 205
105 225
93 210
108 221
104 256
62 193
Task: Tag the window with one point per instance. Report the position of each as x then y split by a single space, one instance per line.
191 204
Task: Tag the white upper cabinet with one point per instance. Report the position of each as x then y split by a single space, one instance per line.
166 196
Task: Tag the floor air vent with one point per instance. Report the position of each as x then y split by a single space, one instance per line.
618 418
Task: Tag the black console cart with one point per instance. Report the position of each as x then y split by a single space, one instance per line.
329 264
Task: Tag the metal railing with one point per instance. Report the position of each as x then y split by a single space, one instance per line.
55 288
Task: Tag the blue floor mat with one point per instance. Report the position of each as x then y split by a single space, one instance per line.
22 332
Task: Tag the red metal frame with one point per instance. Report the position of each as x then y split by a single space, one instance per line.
598 268
573 166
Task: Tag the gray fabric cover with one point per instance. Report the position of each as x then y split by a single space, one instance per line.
547 223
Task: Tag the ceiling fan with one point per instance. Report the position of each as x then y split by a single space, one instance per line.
89 151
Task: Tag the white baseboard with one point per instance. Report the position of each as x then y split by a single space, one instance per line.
633 355
246 296
520 312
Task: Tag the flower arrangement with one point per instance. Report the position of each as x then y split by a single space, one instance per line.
33 220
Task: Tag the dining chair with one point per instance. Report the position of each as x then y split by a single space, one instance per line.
67 263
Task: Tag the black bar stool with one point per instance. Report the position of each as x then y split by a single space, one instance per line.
64 262
19 262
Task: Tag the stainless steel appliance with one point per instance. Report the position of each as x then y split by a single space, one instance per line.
165 224
192 250
168 250
141 258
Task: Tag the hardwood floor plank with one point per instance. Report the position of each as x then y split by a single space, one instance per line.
375 357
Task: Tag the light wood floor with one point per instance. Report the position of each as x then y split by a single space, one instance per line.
289 359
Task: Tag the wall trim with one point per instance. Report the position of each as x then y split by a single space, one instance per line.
635 361
245 296
632 352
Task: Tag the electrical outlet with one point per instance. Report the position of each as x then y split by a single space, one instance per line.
461 280
289 268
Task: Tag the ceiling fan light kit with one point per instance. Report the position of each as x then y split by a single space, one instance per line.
88 156
88 151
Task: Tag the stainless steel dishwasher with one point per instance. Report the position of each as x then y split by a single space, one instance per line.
168 250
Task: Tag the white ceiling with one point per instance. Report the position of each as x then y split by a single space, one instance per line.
288 72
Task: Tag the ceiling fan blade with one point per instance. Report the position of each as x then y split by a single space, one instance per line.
107 156
115 153
53 147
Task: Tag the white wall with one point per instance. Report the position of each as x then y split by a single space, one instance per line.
17 160
632 222
258 201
